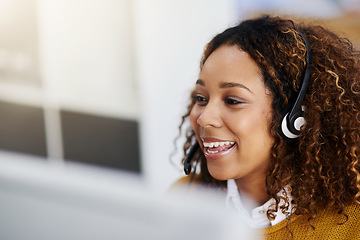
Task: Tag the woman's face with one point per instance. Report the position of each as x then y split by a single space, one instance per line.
232 115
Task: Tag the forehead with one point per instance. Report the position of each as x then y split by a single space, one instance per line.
231 64
227 58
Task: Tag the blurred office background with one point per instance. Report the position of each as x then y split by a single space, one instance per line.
105 82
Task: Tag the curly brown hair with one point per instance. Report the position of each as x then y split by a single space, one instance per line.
322 166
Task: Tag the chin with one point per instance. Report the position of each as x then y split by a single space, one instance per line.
219 174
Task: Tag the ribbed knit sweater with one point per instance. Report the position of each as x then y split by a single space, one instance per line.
329 225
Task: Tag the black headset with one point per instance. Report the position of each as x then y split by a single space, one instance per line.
189 157
292 120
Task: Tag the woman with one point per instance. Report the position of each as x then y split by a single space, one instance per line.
276 114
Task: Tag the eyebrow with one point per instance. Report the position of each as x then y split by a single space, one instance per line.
200 82
226 85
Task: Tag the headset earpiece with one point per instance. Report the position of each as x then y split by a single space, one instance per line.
293 120
291 128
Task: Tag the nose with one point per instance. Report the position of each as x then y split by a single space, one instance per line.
210 116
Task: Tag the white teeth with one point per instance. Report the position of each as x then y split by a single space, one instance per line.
209 151
216 144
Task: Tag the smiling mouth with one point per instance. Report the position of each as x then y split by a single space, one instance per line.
217 148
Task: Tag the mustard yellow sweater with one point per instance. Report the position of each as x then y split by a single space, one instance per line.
329 225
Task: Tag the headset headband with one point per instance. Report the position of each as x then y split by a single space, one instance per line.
293 120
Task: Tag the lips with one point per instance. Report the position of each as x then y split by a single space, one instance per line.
217 149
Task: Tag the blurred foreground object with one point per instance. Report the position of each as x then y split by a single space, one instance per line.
42 201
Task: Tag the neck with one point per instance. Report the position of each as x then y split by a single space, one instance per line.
254 189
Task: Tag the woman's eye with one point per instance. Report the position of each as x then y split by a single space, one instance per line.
200 100
232 101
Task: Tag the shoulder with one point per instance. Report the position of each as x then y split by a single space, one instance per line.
353 209
185 181
328 224
352 212
196 179
346 226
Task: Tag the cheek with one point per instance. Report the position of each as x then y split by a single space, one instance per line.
194 115
252 124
